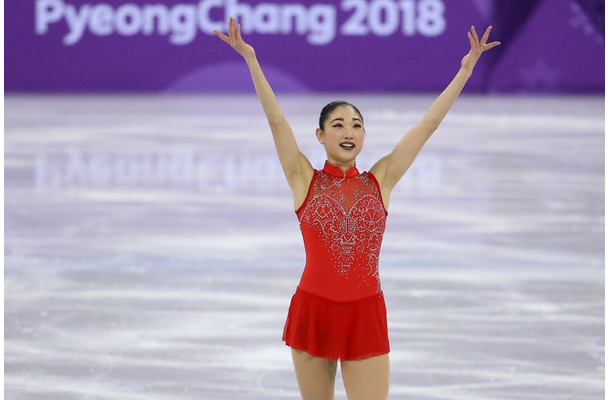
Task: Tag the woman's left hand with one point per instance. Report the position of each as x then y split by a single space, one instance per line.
477 47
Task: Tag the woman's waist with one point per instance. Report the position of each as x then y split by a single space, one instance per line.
337 298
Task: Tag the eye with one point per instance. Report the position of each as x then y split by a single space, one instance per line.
338 125
357 126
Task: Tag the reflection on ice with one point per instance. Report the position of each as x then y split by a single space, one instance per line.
151 249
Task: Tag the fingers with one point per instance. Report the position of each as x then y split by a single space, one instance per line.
473 43
486 35
234 33
473 32
482 44
231 30
491 45
487 46
238 33
222 36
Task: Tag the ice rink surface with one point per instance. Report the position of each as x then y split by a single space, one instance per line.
151 248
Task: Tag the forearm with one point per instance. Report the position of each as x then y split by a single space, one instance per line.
394 166
443 103
283 137
296 167
265 94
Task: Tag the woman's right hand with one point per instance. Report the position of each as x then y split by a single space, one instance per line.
235 40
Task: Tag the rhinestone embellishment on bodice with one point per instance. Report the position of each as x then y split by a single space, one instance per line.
349 216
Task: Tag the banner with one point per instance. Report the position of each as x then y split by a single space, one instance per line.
307 46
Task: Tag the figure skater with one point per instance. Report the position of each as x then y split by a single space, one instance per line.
338 313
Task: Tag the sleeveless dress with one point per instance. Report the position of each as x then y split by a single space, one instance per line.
338 310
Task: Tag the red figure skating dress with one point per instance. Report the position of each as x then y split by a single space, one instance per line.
338 310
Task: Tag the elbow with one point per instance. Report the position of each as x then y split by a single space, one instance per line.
276 122
430 125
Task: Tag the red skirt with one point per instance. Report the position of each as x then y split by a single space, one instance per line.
351 330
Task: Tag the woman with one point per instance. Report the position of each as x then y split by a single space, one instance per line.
338 311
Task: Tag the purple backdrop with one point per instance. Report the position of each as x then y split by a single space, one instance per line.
346 45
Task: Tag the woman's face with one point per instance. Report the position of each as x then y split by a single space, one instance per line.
343 136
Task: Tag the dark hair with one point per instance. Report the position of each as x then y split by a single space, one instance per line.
330 107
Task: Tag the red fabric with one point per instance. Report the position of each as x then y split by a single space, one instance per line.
342 221
336 330
338 311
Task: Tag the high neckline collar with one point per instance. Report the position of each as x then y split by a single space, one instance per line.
336 170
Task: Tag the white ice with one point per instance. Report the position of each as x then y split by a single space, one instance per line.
151 248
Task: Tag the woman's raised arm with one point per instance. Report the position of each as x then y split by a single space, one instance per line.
392 167
296 167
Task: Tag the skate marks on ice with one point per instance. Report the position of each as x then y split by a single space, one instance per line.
151 248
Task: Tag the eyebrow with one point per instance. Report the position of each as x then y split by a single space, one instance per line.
341 119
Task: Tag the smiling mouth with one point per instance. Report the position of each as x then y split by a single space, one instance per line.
347 145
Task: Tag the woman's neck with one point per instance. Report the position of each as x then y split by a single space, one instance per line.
345 166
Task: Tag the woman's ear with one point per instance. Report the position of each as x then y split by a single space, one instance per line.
320 135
